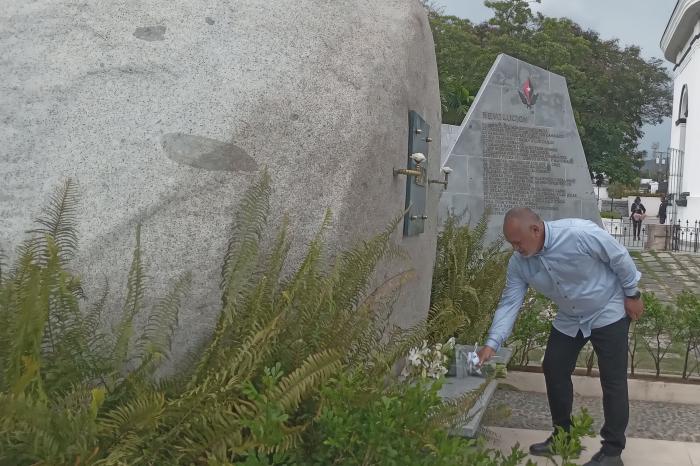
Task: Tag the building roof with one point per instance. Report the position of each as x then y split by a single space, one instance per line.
679 28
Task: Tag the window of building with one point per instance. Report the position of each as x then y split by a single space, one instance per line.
683 107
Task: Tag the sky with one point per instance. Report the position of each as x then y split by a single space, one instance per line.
633 22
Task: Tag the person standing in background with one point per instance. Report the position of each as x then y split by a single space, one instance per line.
637 212
662 210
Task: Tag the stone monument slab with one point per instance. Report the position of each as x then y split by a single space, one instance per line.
518 146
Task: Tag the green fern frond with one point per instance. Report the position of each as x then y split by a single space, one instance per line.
65 350
327 307
93 318
396 346
356 266
244 243
139 415
303 295
446 321
154 344
261 305
468 278
132 306
238 277
309 269
297 385
368 325
277 259
59 222
244 360
23 338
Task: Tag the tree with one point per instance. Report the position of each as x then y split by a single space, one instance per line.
511 16
616 191
532 328
688 330
455 99
614 91
633 346
657 329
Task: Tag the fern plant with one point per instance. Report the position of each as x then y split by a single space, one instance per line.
71 393
57 374
468 279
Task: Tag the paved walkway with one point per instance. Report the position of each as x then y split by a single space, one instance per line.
668 274
639 452
650 420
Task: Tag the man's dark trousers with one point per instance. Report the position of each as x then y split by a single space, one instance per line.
610 345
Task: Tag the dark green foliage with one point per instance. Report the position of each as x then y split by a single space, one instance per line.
688 327
609 214
468 280
656 329
294 358
397 427
532 328
567 445
57 224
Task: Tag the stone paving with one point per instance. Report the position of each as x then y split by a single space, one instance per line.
651 420
668 274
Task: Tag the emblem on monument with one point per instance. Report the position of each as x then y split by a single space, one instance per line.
527 94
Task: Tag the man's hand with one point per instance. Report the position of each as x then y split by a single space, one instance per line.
634 308
485 353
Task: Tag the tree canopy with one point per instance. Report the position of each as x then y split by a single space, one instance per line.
614 90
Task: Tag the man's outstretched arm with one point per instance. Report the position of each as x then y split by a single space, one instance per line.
506 313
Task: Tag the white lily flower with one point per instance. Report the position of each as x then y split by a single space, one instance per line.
414 357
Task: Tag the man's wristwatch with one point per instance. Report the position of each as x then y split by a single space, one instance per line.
637 295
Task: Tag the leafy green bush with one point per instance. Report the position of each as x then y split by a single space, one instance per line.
401 426
532 328
688 327
633 340
294 361
620 190
610 214
656 328
567 445
468 279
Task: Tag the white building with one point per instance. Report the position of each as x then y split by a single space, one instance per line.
680 46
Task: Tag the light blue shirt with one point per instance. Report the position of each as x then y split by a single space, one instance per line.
582 268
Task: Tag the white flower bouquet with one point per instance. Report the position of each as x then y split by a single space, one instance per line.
428 361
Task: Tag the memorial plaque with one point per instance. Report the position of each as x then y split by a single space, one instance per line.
518 146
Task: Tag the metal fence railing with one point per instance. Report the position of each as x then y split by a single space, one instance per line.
623 231
683 236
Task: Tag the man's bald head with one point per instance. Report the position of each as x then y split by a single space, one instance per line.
524 230
523 215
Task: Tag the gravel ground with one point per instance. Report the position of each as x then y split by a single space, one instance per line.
661 421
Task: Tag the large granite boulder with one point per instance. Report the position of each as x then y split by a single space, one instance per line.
164 112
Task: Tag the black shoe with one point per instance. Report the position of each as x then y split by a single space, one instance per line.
601 459
543 448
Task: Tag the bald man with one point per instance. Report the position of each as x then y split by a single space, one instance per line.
593 281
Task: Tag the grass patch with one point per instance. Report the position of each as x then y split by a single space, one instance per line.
611 215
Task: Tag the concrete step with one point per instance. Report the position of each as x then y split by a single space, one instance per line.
639 452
